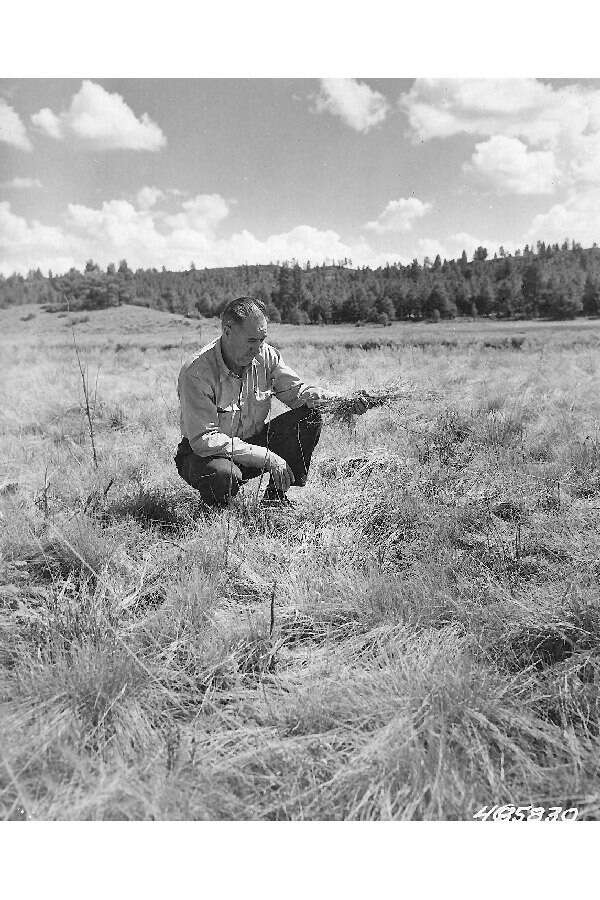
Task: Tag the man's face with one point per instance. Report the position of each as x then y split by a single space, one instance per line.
244 340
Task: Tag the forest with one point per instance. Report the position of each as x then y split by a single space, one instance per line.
546 281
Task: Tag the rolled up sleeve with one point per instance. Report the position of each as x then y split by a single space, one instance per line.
200 421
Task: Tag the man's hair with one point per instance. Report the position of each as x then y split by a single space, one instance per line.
241 308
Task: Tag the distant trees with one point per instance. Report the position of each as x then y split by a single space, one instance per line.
591 296
484 296
438 299
552 280
562 297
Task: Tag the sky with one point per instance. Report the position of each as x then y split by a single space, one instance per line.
224 171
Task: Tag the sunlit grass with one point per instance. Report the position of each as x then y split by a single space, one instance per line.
419 637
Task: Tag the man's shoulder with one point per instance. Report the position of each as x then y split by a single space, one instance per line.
203 364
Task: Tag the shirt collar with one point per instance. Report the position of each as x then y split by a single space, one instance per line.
224 371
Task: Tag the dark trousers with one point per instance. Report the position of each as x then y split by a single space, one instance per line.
292 435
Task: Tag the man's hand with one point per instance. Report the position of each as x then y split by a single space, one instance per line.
320 396
359 406
281 474
313 397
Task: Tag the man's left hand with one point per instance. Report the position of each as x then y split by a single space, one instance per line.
313 396
359 406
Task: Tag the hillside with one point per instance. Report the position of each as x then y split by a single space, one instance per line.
552 281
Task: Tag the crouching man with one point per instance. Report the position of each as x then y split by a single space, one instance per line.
225 398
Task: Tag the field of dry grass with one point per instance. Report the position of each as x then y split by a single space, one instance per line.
418 638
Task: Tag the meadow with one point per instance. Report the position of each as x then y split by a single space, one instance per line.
417 638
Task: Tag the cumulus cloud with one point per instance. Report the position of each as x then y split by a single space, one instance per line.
508 164
399 215
27 245
452 246
101 120
302 242
21 183
360 107
201 213
48 123
515 107
153 236
578 217
539 136
584 164
147 197
12 129
157 236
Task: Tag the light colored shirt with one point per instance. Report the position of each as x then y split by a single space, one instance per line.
220 410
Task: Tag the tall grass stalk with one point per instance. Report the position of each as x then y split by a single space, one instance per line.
86 396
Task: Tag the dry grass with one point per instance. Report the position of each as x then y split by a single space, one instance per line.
418 638
341 409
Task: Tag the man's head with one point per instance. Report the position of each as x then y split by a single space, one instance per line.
244 331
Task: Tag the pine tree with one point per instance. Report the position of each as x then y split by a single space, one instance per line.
531 287
484 297
591 296
438 299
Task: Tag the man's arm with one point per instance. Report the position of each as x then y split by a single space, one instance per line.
291 390
200 420
289 387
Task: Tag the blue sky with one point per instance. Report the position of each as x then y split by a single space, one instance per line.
226 171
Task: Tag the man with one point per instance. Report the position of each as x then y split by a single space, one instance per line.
225 397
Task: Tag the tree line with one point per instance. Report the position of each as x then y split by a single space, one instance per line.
548 280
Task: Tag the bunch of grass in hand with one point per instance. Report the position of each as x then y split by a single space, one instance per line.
341 409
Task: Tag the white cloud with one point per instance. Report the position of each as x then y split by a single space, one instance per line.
462 240
585 159
102 121
148 197
302 242
48 123
399 215
202 213
431 248
152 238
578 217
25 245
19 183
12 129
452 246
540 136
508 165
355 102
514 107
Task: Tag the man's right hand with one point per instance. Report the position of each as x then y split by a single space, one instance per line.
281 474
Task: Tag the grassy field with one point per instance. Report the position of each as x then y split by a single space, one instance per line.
418 638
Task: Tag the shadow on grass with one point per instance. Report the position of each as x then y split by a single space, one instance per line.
155 507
